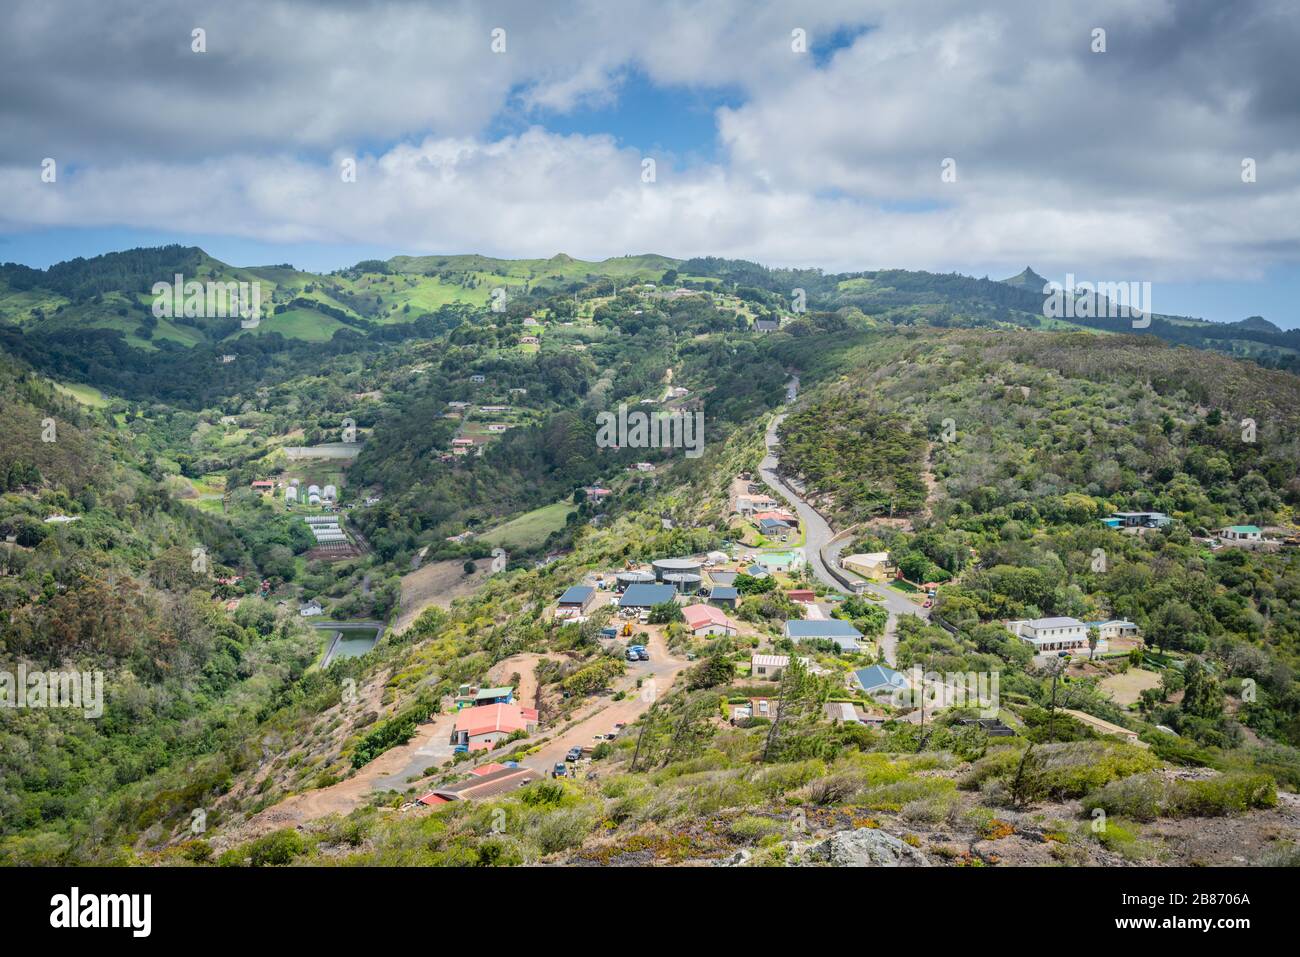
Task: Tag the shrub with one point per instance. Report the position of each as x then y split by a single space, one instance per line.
1146 797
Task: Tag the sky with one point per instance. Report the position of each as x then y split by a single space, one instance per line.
945 135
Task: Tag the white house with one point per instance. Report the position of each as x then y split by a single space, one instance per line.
1114 628
311 608
707 620
868 564
769 666
1241 533
1052 634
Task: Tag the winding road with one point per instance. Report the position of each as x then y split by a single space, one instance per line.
818 538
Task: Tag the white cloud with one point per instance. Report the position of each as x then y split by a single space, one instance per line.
1125 164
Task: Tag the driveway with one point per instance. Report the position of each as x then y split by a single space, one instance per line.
601 716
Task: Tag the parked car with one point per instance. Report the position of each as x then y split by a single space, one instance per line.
927 604
643 654
632 655
574 754
560 770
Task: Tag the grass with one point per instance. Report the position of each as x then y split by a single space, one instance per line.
85 394
531 529
305 324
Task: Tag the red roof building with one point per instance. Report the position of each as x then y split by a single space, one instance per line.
707 620
487 724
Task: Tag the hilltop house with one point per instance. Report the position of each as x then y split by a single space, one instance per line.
1138 520
482 726
725 596
1114 628
868 564
470 696
828 629
1241 533
575 601
707 620
769 666
1053 634
491 780
880 682
311 608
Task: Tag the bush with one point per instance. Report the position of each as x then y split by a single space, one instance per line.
1146 797
271 850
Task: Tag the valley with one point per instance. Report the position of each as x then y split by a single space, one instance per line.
913 481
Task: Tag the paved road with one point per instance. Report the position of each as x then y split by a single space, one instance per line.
818 534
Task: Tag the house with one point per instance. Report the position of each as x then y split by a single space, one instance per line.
462 443
880 682
498 427
1142 519
311 608
767 325
501 780
1052 634
62 519
842 711
478 379
596 493
773 527
1115 628
1240 533
482 726
643 596
528 341
776 515
769 666
458 405
530 321
805 596
575 601
725 596
868 564
471 697
707 620
829 629
263 486
644 467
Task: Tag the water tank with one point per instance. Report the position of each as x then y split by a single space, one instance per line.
665 566
686 583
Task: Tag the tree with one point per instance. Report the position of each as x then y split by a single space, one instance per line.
712 671
470 568
665 612
1202 697
1094 636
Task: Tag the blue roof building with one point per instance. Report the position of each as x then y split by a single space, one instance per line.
646 596
835 629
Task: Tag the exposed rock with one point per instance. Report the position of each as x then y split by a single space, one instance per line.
864 847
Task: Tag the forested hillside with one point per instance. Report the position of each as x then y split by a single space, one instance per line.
982 459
